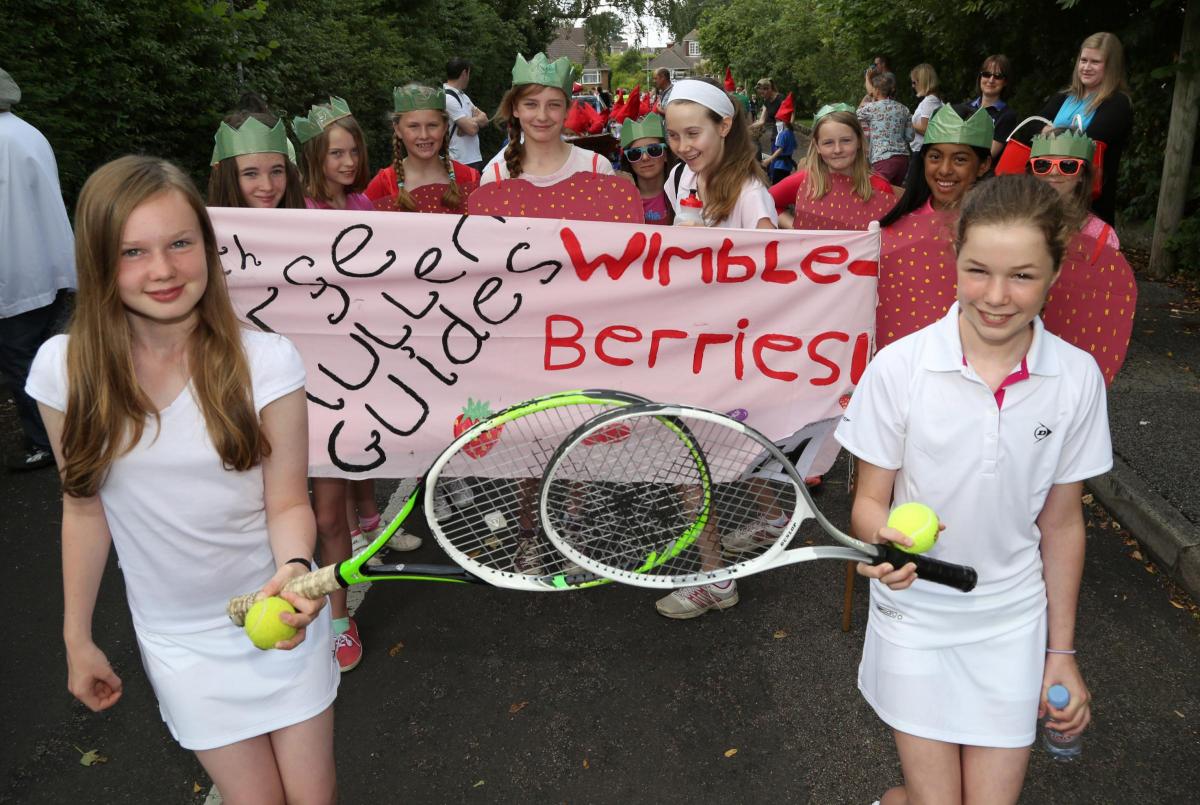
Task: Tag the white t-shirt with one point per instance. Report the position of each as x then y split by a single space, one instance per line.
925 109
579 160
37 248
985 468
463 147
753 204
190 534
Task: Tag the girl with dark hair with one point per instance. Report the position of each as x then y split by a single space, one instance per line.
962 681
645 156
250 165
533 111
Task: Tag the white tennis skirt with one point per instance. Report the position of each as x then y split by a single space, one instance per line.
215 688
981 694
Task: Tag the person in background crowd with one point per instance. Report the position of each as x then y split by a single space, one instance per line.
888 128
250 165
645 156
780 163
993 86
1099 97
1063 160
662 85
465 118
37 265
925 85
764 129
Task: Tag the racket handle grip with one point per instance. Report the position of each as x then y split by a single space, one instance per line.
960 577
312 586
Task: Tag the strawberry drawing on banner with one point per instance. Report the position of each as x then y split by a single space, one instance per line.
474 412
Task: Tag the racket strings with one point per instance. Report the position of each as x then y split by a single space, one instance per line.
485 497
679 498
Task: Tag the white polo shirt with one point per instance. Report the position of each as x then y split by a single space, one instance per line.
985 463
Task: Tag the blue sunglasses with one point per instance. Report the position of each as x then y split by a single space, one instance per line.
653 151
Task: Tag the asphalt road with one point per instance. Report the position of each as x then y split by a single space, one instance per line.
469 694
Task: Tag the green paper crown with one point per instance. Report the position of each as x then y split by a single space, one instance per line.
947 127
412 97
649 126
830 108
540 70
1069 143
319 118
252 137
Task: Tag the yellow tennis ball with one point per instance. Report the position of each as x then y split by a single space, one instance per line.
263 626
916 521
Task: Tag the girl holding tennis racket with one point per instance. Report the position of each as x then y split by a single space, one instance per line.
709 133
995 423
181 439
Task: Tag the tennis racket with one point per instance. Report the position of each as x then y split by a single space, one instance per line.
480 500
690 496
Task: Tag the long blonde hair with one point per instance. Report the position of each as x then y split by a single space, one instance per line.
819 181
927 80
1114 69
404 201
106 407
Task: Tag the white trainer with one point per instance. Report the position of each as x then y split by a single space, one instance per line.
692 602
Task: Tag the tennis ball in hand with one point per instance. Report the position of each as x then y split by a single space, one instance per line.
916 521
263 626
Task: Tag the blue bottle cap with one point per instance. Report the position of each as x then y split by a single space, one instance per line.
1058 696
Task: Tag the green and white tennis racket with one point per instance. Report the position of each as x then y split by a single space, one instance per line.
480 499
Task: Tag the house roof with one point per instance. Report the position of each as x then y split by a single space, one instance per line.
675 56
571 42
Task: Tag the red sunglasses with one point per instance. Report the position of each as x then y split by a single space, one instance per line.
1067 166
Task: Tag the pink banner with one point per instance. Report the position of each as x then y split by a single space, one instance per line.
401 318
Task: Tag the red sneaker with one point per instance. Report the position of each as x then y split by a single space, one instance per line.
348 648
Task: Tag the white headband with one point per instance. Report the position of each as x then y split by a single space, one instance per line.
703 93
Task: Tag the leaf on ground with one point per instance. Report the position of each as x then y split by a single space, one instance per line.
91 757
197 788
513 709
586 765
477 783
730 752
1177 604
396 649
779 634
1136 555
1178 713
1088 498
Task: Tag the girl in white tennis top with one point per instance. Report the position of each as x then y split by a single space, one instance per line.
181 439
709 132
995 423
534 111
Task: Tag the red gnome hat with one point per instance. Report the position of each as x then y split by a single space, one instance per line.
729 85
633 104
577 119
786 110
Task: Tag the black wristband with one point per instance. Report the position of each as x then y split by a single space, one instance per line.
300 560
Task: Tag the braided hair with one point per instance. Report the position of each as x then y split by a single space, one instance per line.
404 201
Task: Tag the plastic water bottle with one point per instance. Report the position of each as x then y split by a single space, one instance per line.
1060 747
691 211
